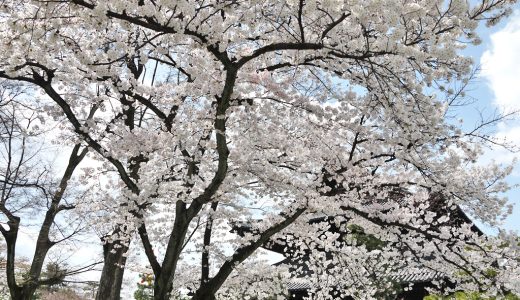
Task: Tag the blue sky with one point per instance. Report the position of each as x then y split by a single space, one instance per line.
498 87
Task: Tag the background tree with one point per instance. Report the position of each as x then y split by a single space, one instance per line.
4 289
212 112
28 188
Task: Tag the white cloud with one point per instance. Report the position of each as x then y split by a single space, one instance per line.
501 65
501 70
510 136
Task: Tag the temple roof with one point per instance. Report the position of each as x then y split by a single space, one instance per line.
406 276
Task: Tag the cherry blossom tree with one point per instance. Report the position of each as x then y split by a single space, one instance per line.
217 112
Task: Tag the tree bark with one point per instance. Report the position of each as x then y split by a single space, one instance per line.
206 243
208 289
10 237
163 284
204 295
43 244
113 271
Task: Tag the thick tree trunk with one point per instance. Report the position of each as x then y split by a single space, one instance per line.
30 286
160 291
10 239
164 282
43 244
113 271
203 295
27 292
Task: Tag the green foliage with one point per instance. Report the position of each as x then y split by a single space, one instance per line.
389 293
143 293
358 236
55 271
144 287
491 273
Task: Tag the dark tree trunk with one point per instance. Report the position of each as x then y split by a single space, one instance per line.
27 292
30 286
113 271
204 297
164 282
43 244
10 237
203 294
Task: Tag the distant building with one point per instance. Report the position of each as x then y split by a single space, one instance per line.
420 278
